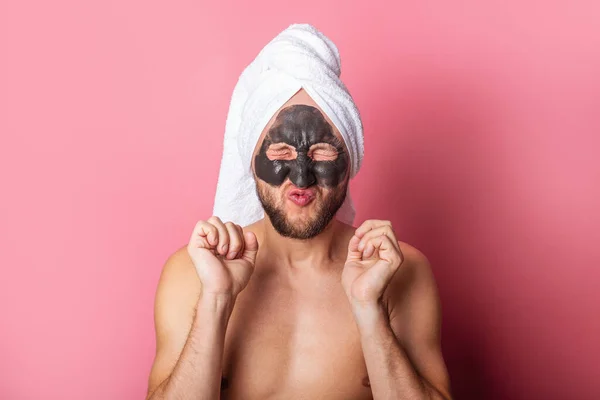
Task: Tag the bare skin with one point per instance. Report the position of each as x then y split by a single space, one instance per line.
292 319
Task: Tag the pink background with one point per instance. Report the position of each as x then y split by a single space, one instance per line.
481 124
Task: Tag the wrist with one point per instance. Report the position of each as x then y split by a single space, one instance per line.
218 304
367 314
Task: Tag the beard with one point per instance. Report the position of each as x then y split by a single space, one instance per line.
306 228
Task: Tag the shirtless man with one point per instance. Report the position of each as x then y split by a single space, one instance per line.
298 305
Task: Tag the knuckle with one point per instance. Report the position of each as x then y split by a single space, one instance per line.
366 223
199 224
234 235
215 220
235 246
202 226
373 233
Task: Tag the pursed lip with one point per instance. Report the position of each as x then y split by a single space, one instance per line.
301 197
302 192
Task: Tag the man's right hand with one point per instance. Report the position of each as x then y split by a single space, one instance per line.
223 255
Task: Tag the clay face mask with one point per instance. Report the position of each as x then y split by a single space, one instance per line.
301 145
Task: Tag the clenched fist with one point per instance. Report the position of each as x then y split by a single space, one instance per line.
223 255
374 256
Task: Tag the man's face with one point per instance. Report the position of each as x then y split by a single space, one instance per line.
301 168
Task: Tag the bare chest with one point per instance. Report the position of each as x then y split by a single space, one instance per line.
284 343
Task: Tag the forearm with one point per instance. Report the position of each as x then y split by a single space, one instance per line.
391 374
197 374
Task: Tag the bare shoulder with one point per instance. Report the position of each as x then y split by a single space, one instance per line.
415 261
174 306
414 270
177 291
179 272
179 285
412 296
176 296
416 316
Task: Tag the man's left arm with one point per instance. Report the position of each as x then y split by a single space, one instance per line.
397 310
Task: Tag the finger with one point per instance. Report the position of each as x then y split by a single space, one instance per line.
242 240
353 251
386 230
235 240
250 247
386 249
204 235
223 244
369 250
370 224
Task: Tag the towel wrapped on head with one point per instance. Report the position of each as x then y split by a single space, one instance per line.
300 57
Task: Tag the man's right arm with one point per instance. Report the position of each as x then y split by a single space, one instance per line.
190 334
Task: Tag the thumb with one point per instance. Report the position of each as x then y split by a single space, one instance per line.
354 254
250 247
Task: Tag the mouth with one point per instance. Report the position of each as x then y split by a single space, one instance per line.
301 197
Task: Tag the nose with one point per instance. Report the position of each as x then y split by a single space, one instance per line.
301 173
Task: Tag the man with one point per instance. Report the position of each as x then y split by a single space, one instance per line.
298 304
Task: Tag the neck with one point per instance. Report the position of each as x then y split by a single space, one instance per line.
314 253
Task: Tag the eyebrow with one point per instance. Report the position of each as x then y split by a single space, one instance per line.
334 140
337 144
279 145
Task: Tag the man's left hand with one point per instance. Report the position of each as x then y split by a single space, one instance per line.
373 258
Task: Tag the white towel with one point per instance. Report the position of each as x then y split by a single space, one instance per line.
299 57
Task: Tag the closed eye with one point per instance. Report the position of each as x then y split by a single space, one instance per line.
281 151
323 152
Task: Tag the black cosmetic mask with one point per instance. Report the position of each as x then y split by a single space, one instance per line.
301 126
